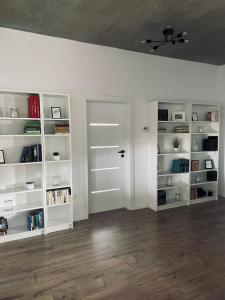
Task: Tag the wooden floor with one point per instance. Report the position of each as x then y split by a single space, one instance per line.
176 254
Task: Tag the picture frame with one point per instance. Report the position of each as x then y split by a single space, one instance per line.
2 157
194 116
56 112
208 164
195 165
178 116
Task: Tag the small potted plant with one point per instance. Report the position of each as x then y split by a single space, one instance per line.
56 156
176 144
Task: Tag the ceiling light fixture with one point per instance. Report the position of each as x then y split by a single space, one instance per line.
169 37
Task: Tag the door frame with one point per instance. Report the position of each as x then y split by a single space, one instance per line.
130 125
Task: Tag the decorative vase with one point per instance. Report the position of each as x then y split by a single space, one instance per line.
176 150
56 156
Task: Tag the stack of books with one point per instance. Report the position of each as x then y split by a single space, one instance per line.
34 106
61 128
32 127
58 196
162 130
35 220
31 153
182 129
197 192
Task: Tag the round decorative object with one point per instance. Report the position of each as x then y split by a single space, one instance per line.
56 156
30 185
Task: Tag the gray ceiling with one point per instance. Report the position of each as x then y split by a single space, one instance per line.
124 23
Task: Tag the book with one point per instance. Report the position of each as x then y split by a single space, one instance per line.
34 106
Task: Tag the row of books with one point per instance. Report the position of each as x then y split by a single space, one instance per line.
182 129
31 153
61 128
58 196
34 106
32 127
35 220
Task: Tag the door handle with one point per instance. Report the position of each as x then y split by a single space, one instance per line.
121 152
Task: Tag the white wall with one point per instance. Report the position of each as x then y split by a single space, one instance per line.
35 62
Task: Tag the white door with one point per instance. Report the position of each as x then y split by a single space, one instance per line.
108 166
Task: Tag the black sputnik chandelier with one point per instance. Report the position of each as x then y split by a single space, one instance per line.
169 36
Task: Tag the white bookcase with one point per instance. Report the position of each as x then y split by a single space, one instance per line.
14 174
161 154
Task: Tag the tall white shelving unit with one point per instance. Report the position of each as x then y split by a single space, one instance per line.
161 134
14 174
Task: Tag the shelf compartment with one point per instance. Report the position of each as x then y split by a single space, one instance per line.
172 205
21 164
20 190
203 199
22 207
169 173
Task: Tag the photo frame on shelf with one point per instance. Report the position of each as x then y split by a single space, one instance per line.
2 157
56 112
194 116
208 164
194 165
178 116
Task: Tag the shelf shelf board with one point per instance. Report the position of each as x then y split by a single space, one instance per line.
22 207
57 135
60 186
203 183
20 190
167 187
20 164
203 199
19 119
20 135
171 153
172 205
207 122
173 133
206 133
199 152
58 161
168 173
56 120
204 170
62 204
174 121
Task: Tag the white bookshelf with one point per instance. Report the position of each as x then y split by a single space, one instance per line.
161 135
14 174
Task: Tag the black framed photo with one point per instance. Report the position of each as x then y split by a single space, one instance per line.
208 164
2 157
56 112
194 116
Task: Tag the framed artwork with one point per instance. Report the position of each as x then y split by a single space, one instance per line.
56 112
194 116
208 164
195 165
178 116
2 157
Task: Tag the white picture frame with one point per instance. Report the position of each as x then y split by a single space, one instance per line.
178 116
